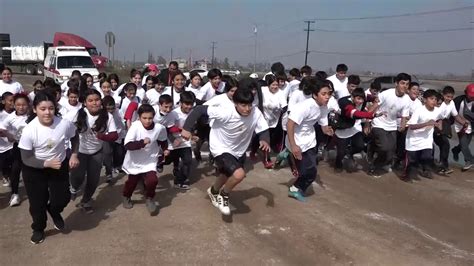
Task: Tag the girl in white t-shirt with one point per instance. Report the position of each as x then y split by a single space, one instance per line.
94 126
106 89
196 88
7 84
12 127
153 95
37 86
301 139
274 105
45 164
114 81
142 142
6 108
113 150
130 90
177 87
72 104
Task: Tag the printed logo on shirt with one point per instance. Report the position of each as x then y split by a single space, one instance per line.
50 144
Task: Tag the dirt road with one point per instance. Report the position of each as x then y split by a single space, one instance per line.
354 219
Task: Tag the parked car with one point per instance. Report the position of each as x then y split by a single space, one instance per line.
202 73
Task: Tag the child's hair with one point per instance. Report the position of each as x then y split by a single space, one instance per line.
376 86
104 81
7 68
165 99
73 90
113 76
73 83
413 84
42 96
100 124
193 74
243 96
281 76
135 72
430 93
320 84
321 75
448 90
402 76
4 96
308 85
152 78
277 67
129 86
295 72
76 73
107 101
102 75
358 92
230 83
214 73
307 70
146 108
86 76
270 79
341 67
177 73
54 89
353 79
48 82
187 97
21 96
37 82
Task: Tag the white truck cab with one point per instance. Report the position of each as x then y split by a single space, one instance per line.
60 61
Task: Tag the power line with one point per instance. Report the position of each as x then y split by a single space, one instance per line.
402 15
395 32
307 39
394 54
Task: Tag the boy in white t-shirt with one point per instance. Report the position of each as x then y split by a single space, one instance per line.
339 81
419 139
142 142
465 107
394 103
230 136
180 149
301 139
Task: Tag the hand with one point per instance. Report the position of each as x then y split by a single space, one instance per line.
380 114
264 146
328 130
54 164
439 125
401 129
367 130
194 139
166 153
186 134
296 151
73 161
146 141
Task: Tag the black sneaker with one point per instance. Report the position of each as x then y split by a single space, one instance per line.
455 154
426 174
37 237
58 222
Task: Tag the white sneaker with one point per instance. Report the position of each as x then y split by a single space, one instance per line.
14 200
213 198
5 182
223 204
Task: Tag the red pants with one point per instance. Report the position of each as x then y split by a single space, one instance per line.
151 181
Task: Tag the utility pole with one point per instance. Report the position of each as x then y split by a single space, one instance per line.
213 48
255 49
307 39
171 57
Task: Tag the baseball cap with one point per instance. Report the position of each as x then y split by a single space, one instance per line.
470 90
153 67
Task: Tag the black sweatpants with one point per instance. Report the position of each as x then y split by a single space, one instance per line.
384 145
443 143
17 164
356 145
306 169
417 158
182 160
48 191
114 154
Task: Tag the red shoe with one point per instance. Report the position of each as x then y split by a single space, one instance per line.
268 165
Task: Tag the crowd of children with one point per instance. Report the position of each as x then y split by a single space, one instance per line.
60 137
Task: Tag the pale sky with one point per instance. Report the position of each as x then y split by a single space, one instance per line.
158 26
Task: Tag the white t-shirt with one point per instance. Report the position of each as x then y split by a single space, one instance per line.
420 139
14 124
5 145
340 87
394 107
292 86
167 120
333 105
13 87
145 159
199 92
414 104
296 97
141 92
180 123
88 141
448 110
66 108
273 104
47 142
221 100
176 96
124 103
230 132
153 97
306 116
210 91
31 96
458 127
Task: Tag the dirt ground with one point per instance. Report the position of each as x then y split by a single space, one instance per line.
351 219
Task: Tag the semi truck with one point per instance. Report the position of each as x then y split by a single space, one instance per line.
30 58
